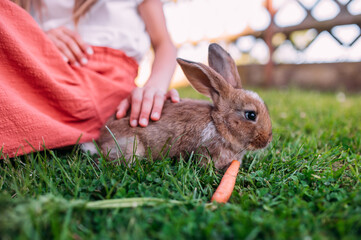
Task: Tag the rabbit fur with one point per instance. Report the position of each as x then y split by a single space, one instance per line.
220 131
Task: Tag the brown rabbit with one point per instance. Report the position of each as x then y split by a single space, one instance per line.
238 120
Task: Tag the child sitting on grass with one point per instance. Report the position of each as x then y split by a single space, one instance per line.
61 81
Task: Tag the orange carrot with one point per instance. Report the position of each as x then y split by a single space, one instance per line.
225 188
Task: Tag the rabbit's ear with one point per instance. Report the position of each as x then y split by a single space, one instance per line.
204 79
222 62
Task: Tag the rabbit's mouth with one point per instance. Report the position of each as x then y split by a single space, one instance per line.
260 141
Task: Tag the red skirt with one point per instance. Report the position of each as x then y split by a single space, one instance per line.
45 102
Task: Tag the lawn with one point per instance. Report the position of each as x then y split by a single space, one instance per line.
305 185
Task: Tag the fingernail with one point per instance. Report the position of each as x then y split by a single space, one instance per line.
84 61
134 123
155 115
65 59
76 64
143 122
89 51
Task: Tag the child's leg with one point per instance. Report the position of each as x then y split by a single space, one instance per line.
42 98
23 43
31 67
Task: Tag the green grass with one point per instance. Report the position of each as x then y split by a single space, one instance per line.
305 185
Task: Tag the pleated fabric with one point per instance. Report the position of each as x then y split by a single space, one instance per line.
45 102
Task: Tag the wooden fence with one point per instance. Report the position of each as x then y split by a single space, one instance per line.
325 76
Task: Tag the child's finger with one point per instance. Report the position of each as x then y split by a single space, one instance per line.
173 95
147 104
136 103
157 106
74 48
123 108
85 48
69 57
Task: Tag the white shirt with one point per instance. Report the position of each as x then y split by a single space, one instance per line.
109 23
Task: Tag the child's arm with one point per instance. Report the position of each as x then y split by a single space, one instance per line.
147 102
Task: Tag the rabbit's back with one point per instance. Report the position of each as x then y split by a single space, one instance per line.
178 131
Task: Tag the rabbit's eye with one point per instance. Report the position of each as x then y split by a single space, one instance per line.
250 115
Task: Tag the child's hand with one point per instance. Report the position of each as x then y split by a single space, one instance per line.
74 49
144 103
147 102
